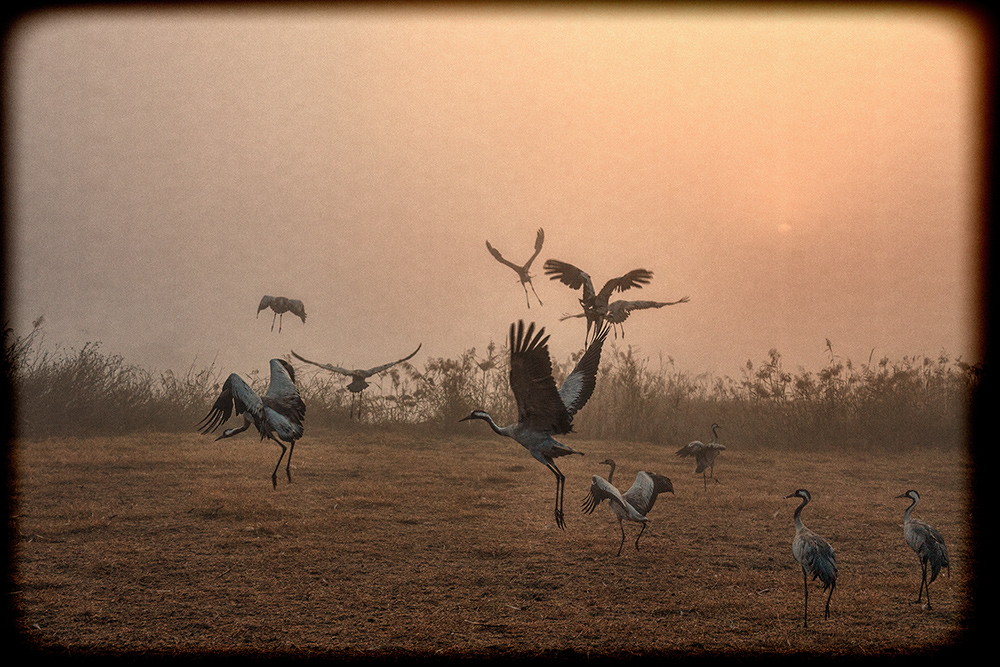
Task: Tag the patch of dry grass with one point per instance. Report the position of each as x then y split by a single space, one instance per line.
396 543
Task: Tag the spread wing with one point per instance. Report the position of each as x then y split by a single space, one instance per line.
235 394
335 369
264 303
539 404
618 311
570 275
601 490
579 385
691 449
634 278
496 254
644 490
297 308
539 240
379 369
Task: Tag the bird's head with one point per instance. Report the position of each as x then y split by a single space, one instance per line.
608 462
800 493
475 414
911 494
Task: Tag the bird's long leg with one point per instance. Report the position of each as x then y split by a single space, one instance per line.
526 299
805 587
280 318
638 536
923 580
274 475
273 319
535 293
288 462
827 613
560 482
704 480
621 527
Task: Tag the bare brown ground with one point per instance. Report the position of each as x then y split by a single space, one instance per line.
394 544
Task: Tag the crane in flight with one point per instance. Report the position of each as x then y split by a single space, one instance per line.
928 543
595 304
704 455
281 305
277 415
359 377
522 271
814 554
542 410
634 504
618 311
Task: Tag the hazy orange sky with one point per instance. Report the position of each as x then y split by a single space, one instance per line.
801 175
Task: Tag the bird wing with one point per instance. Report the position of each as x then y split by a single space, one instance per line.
297 308
579 385
264 303
539 404
601 490
693 448
644 490
236 393
634 278
569 275
335 369
539 239
618 311
816 555
379 369
500 258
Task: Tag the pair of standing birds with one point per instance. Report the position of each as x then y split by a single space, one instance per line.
816 556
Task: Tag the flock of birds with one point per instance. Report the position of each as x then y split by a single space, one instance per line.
545 411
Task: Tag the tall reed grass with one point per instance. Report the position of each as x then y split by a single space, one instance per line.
886 405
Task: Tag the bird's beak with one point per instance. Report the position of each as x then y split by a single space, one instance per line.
790 495
465 419
902 495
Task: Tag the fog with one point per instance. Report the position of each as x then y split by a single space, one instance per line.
801 175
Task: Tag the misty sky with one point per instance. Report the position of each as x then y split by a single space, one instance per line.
801 175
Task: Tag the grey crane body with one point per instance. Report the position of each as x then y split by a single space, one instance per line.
523 273
928 544
633 505
542 410
595 304
359 377
704 454
814 554
281 305
277 415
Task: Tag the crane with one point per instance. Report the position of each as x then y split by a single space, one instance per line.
814 554
634 504
542 410
281 305
704 455
359 377
594 303
278 414
522 271
618 311
928 543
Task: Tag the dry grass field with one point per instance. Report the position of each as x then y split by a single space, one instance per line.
400 544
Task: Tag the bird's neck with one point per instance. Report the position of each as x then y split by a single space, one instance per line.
909 511
798 516
611 474
493 425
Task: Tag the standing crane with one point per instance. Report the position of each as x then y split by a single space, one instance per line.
618 311
595 304
928 543
359 377
522 271
634 504
281 305
542 410
704 455
814 554
278 414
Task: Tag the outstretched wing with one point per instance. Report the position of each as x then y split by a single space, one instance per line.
644 490
693 448
634 278
579 385
264 303
496 254
570 275
235 394
539 404
335 369
379 369
618 311
601 490
539 239
297 308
